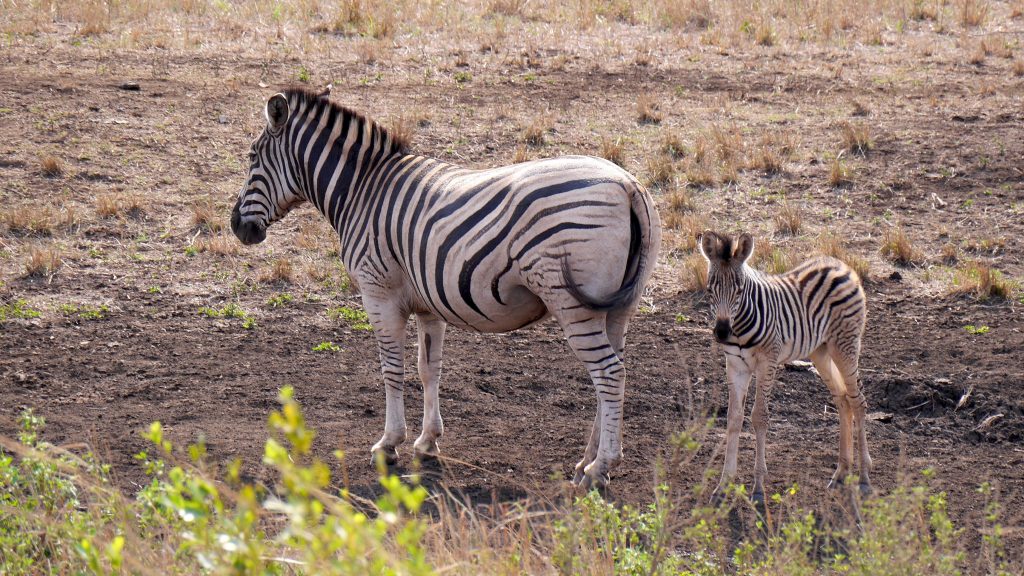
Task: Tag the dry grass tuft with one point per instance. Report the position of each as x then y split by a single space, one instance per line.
206 216
51 166
43 262
770 258
403 128
838 173
686 14
857 108
613 150
680 201
789 219
521 154
923 10
647 110
898 248
693 276
950 254
857 137
221 244
672 146
660 171
533 133
983 282
280 271
119 204
507 7
829 245
1018 67
687 227
973 13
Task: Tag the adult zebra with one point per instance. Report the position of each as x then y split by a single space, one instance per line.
817 309
490 250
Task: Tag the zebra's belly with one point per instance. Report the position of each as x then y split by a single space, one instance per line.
520 308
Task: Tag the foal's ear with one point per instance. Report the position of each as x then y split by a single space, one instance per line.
744 248
710 246
277 111
326 94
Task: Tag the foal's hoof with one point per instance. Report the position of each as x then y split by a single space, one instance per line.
757 498
384 456
866 490
717 497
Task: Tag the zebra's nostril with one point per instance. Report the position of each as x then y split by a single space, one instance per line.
722 330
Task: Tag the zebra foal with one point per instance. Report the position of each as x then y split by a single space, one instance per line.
494 250
762 321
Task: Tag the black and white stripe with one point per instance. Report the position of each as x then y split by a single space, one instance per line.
762 321
574 237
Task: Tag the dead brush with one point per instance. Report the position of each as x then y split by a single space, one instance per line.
647 110
50 166
981 281
856 137
829 245
897 247
973 13
789 219
660 171
838 173
280 271
206 216
693 275
672 146
613 150
534 132
43 262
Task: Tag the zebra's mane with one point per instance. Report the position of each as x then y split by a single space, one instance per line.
314 101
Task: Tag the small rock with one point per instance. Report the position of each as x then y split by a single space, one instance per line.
223 119
130 86
896 276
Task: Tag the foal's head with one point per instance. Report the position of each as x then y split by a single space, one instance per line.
726 258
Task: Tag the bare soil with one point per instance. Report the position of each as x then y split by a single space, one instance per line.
517 407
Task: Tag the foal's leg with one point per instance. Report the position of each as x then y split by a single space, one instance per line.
738 373
767 371
830 376
389 328
846 356
430 330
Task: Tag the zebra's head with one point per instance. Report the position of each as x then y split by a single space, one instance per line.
726 259
271 189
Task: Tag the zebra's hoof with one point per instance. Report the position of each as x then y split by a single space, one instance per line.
426 449
717 497
579 473
865 490
757 498
384 456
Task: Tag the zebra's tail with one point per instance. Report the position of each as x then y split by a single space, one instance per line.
644 239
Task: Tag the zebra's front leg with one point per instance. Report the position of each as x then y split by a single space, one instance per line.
389 328
738 373
430 330
767 371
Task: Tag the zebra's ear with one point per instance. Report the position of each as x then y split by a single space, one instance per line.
709 245
277 111
744 248
326 94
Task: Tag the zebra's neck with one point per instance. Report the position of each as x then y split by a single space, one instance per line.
753 322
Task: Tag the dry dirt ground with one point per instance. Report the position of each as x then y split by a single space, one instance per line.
137 204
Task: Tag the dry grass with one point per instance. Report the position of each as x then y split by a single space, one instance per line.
118 205
856 137
693 275
1018 67
613 150
521 154
981 281
838 173
660 171
789 219
972 13
43 262
950 254
686 227
206 216
280 271
770 258
50 166
857 108
672 146
221 244
508 7
533 133
685 14
647 110
39 220
771 152
829 245
897 247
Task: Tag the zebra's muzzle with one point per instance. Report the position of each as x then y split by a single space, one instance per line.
248 232
722 330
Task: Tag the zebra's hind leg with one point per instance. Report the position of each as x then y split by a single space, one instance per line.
834 381
430 330
389 328
846 356
617 322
